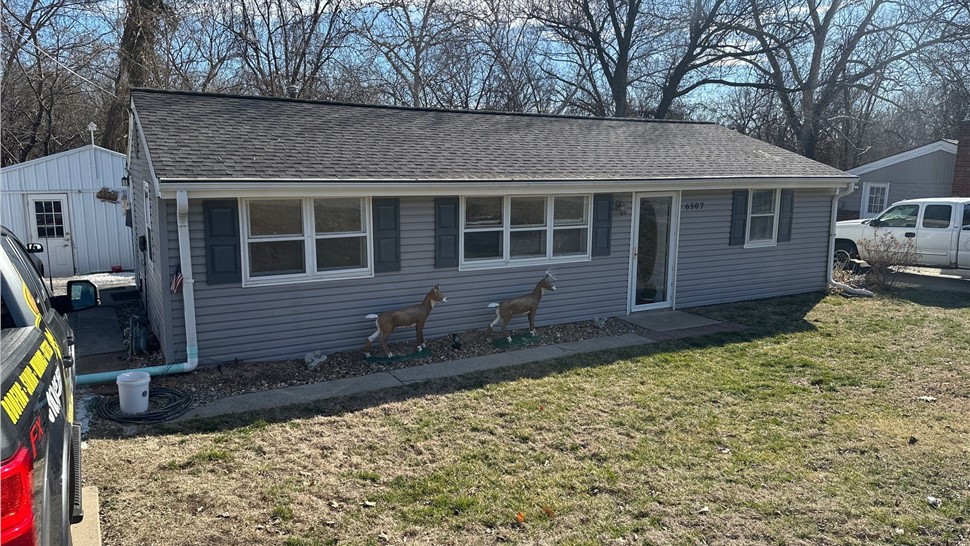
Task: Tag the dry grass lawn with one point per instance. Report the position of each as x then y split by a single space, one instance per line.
805 428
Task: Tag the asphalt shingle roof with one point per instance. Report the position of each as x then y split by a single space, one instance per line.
208 136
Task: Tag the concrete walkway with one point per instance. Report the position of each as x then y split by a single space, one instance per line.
689 326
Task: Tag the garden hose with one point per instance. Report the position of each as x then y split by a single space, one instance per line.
174 402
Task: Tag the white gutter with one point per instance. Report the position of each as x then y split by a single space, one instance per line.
839 193
188 298
214 188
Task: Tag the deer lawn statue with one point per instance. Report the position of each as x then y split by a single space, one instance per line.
416 316
522 305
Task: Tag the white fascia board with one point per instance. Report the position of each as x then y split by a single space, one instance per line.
156 183
336 188
939 145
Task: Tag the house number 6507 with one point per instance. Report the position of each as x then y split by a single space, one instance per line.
694 206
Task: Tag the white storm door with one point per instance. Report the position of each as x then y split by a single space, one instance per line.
653 253
50 226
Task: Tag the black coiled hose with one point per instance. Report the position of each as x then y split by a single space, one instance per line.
170 403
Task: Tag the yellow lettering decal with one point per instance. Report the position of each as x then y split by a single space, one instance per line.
30 302
29 380
14 402
53 342
39 364
45 348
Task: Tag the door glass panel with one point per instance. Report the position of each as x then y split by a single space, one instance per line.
653 250
50 221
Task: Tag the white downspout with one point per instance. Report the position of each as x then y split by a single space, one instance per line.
188 288
839 193
188 298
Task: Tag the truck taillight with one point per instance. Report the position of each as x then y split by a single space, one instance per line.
17 505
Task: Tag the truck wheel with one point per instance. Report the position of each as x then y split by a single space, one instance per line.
845 252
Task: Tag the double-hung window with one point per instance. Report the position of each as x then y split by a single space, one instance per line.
504 230
306 239
762 217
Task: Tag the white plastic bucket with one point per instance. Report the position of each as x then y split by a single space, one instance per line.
133 392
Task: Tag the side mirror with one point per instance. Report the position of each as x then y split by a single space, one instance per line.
34 248
83 294
874 222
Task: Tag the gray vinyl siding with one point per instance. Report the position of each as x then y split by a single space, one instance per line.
709 271
930 175
155 295
285 321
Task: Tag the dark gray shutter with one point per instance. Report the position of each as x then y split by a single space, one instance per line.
602 223
787 213
222 263
387 235
446 231
739 217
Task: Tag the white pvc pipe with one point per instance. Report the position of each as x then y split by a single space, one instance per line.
188 298
835 210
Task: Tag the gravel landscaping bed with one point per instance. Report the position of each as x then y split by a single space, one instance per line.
213 381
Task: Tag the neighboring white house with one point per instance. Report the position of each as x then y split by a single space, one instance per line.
926 171
72 203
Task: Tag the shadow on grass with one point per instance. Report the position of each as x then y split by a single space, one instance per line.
932 297
761 318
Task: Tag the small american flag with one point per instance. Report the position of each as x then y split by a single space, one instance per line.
177 281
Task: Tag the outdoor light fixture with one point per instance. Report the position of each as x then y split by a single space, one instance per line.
620 207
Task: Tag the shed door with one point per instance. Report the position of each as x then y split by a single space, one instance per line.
50 225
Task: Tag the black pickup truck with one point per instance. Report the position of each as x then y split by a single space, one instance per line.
41 451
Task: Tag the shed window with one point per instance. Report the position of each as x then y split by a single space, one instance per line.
762 217
306 239
503 230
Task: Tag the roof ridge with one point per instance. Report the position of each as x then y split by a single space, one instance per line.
414 108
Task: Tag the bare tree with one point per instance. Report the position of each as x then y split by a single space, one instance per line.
286 44
414 42
701 42
51 77
196 52
604 42
813 51
137 64
514 75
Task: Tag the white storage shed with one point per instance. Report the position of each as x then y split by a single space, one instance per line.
74 204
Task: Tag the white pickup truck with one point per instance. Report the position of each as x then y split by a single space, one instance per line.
940 229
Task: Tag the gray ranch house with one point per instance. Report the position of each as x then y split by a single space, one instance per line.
290 220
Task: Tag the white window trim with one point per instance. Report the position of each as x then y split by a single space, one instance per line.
506 260
748 243
309 238
864 206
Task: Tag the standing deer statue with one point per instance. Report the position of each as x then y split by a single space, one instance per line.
522 305
416 316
